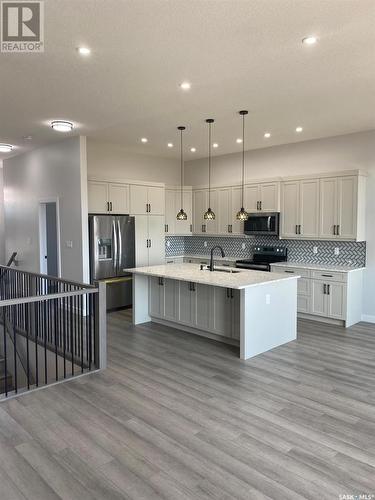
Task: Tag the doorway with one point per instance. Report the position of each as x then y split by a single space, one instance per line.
49 238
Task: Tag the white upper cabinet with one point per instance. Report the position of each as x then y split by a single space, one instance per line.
224 207
328 208
147 200
347 189
170 211
251 198
309 208
290 195
200 200
173 206
105 197
236 199
263 197
211 226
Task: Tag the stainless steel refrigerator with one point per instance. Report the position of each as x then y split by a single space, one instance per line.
112 249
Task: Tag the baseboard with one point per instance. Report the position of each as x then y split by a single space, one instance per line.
368 318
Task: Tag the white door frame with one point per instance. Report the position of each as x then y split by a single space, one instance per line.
41 212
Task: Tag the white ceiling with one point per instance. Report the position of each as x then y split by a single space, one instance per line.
236 54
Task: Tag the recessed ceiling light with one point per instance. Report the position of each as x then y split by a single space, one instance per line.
144 139
27 137
309 40
170 145
62 126
193 150
215 145
84 51
185 85
5 148
299 129
267 135
239 140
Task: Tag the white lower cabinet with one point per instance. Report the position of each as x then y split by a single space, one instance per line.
202 307
328 294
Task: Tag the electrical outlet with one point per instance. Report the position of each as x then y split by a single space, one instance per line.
243 246
205 244
168 243
337 251
315 250
268 299
69 244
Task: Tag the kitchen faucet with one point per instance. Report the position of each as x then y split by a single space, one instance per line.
211 267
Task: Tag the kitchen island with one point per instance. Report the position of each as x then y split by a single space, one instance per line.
253 309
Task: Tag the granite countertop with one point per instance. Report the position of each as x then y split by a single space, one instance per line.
191 272
318 267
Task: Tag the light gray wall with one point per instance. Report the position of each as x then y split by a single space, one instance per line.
114 162
44 175
2 234
324 155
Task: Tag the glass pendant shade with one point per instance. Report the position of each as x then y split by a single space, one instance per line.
242 215
209 215
182 215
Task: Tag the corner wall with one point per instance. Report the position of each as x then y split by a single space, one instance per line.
49 173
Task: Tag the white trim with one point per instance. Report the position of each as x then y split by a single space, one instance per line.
368 318
96 178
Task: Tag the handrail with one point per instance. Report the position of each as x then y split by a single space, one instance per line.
51 296
48 277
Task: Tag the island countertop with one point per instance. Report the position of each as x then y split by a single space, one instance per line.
236 279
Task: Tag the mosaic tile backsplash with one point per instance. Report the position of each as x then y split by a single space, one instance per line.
350 253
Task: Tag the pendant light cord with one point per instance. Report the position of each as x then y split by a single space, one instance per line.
243 159
209 165
182 171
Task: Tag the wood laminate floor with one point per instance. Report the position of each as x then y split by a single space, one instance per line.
177 416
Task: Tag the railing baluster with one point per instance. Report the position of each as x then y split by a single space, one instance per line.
27 316
45 341
15 349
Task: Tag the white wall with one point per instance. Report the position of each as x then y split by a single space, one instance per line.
324 155
2 234
46 173
115 162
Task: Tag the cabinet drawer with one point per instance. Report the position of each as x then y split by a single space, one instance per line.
329 276
304 273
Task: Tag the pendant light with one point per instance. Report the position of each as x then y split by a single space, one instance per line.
210 214
182 215
242 215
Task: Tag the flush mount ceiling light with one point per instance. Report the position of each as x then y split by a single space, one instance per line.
209 214
309 40
267 135
144 140
84 51
299 129
62 126
193 150
239 140
5 148
215 145
185 86
181 215
242 215
170 145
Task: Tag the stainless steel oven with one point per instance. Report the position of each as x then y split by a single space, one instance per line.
263 223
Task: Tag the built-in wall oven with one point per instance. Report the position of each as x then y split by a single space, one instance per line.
262 223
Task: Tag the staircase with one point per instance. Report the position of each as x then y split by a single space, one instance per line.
5 378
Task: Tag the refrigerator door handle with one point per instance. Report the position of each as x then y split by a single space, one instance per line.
119 258
115 252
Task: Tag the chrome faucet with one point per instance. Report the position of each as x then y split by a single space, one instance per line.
211 268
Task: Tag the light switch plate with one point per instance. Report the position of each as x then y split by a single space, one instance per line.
315 250
337 251
168 243
243 246
205 244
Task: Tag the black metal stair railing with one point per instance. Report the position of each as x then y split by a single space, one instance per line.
50 329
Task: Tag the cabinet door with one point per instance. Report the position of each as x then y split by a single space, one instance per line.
156 250
336 300
221 311
138 199
252 198
170 211
270 197
170 297
309 208
184 226
224 209
318 298
118 196
201 306
236 319
141 237
347 188
97 193
289 208
328 208
236 197
303 304
184 307
156 200
212 225
199 207
156 292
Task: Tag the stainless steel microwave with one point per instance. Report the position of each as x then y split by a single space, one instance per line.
262 223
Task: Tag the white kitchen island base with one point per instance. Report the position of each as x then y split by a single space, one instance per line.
260 312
